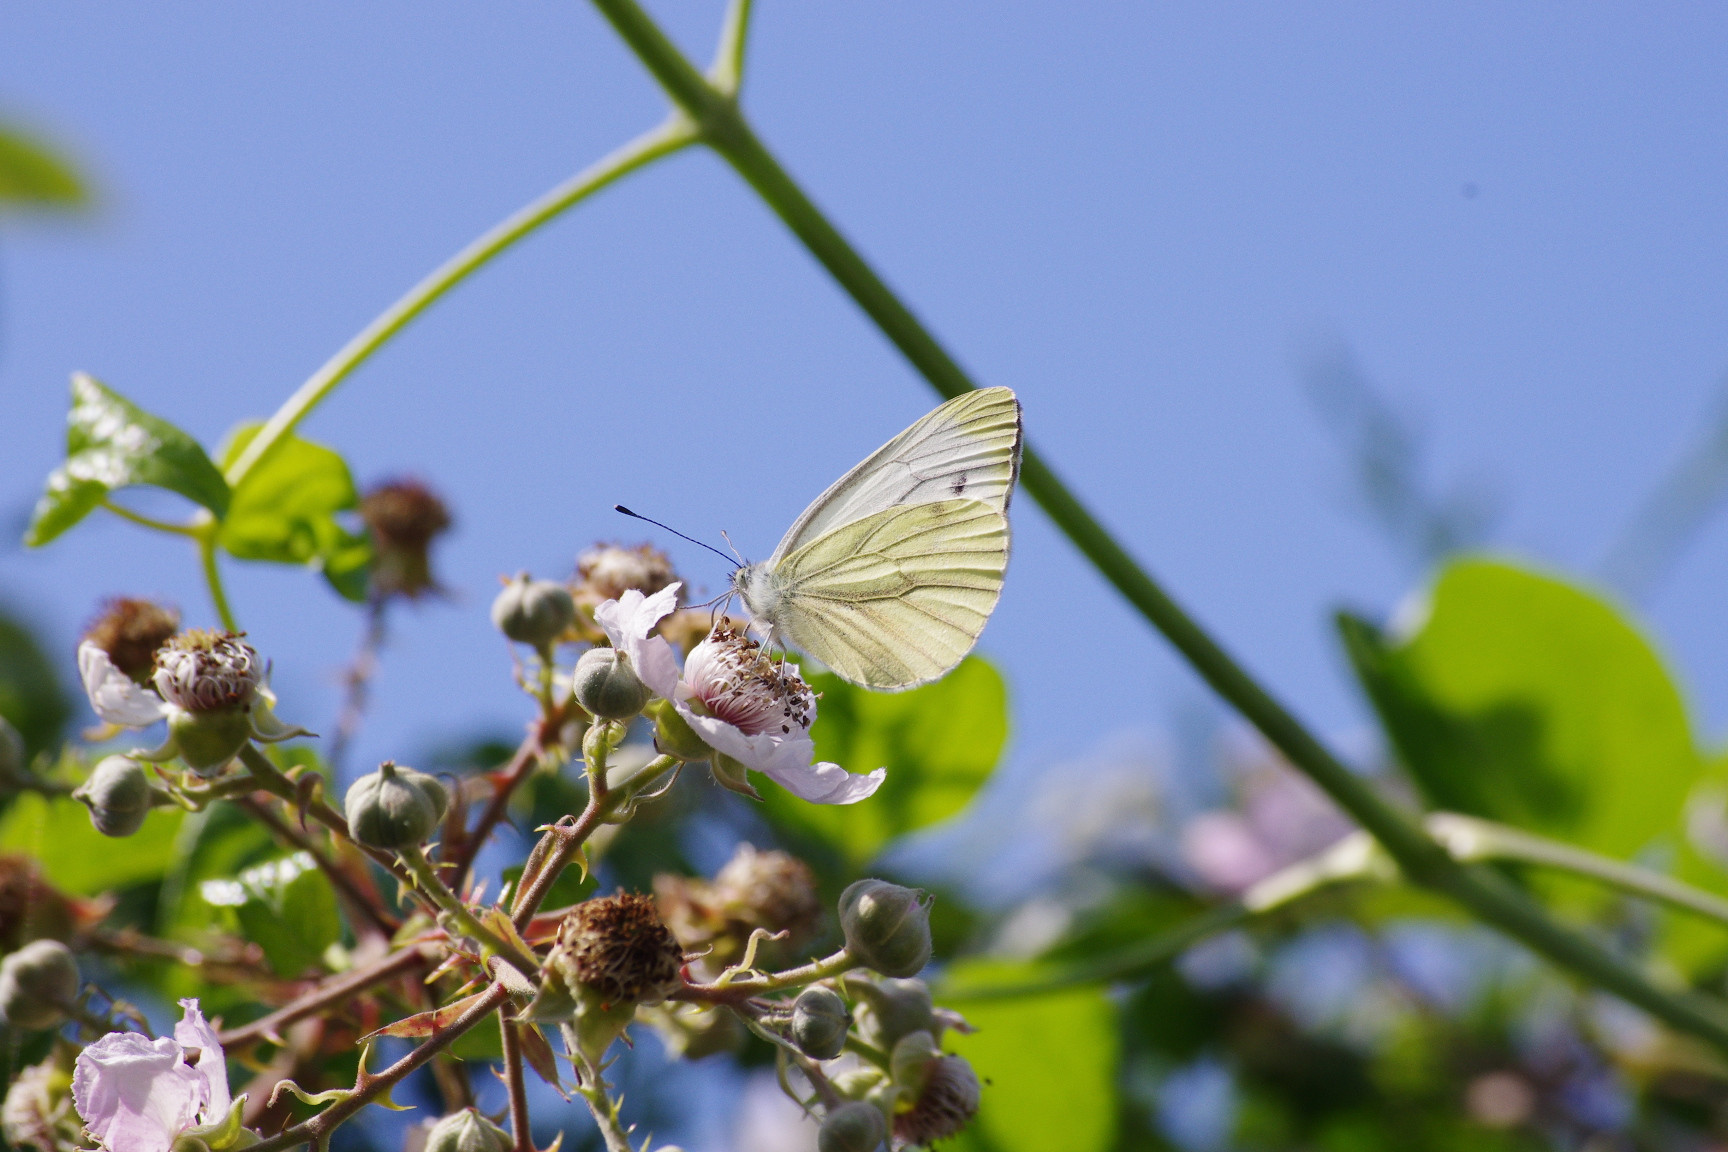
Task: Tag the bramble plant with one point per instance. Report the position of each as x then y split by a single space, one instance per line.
301 925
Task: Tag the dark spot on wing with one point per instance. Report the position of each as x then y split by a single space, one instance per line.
959 484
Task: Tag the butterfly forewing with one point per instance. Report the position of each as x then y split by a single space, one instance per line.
969 448
898 597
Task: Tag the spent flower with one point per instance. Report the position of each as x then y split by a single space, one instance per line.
403 517
130 631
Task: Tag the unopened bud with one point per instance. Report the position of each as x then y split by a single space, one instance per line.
531 611
467 1131
819 1023
674 737
37 984
394 807
118 794
607 686
887 927
895 1008
854 1127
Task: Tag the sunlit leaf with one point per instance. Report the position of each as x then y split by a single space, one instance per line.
284 511
1525 699
1048 1064
80 859
111 444
32 176
939 744
286 906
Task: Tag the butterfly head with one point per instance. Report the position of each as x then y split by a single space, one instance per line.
760 590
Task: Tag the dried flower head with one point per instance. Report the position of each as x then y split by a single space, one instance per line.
404 517
204 671
607 571
620 948
771 890
943 1105
130 631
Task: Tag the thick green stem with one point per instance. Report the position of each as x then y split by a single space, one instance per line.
213 573
1488 896
150 522
645 149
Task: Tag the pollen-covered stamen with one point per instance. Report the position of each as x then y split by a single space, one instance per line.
203 671
737 683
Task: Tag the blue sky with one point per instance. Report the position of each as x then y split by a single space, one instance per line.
1139 216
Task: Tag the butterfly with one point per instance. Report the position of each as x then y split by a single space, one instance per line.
891 574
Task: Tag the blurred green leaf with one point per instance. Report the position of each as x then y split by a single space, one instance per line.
112 443
1524 699
30 693
285 511
31 175
1048 1065
79 859
939 744
286 906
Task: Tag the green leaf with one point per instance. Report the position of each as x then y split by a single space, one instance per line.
1048 1065
939 744
30 694
1525 699
33 176
111 444
284 511
79 859
286 906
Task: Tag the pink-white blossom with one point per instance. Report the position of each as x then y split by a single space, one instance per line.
115 696
136 1094
742 704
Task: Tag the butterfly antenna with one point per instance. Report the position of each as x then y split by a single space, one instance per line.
675 532
741 561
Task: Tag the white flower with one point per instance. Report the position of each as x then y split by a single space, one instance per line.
743 705
137 1095
115 696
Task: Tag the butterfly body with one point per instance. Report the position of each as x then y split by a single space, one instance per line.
889 577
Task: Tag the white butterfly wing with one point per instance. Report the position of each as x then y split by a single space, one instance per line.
969 448
897 598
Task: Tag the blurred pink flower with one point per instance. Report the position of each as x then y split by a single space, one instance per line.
138 1095
1282 818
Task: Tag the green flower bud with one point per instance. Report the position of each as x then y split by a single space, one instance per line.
207 741
607 686
37 983
533 611
118 794
467 1131
887 927
394 807
672 736
854 1127
819 1023
895 1008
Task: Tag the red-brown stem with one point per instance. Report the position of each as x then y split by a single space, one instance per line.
563 842
520 767
328 994
339 877
520 1130
368 1087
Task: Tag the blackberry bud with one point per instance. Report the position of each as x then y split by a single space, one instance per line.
854 1127
467 1131
672 736
37 983
819 1023
887 927
394 807
534 612
118 794
607 686
896 1008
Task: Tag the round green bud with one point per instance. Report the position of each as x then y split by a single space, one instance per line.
207 741
896 1008
118 794
672 736
37 984
394 807
887 927
607 686
819 1023
533 611
467 1131
854 1127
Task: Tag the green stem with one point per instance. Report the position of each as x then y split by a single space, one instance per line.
1469 839
213 574
724 991
150 522
451 905
645 149
1488 896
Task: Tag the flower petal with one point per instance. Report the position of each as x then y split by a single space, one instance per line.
134 1094
114 696
785 760
628 621
824 783
194 1032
